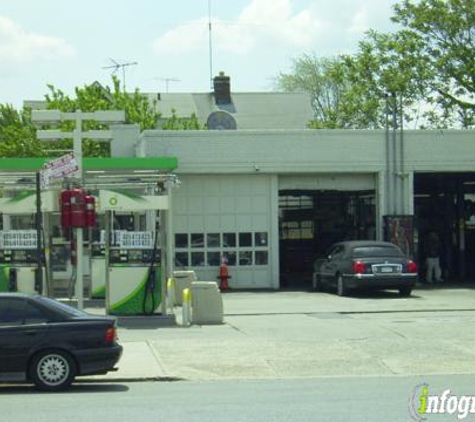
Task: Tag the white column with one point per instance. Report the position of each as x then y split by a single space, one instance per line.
77 144
274 264
381 203
409 193
166 229
108 220
79 268
6 222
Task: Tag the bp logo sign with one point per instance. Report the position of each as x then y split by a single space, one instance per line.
113 201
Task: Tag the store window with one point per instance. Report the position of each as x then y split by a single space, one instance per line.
229 240
245 240
262 258
260 239
245 258
197 259
230 257
181 240
213 240
197 240
181 259
207 249
214 259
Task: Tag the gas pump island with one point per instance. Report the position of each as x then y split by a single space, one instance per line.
19 260
133 259
126 266
19 263
130 265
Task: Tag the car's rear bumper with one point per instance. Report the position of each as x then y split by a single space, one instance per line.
373 281
97 361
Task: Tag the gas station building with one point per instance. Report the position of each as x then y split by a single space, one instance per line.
273 200
270 195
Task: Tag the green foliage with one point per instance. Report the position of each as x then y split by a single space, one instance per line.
428 61
95 97
340 99
17 134
181 123
446 30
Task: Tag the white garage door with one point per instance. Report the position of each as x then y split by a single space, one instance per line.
224 216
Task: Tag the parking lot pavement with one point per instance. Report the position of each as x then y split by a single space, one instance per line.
281 335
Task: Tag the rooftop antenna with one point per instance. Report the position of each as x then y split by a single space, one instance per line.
116 66
167 81
210 42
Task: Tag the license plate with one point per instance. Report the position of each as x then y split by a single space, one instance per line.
386 269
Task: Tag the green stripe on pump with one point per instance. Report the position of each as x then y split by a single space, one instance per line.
133 303
4 277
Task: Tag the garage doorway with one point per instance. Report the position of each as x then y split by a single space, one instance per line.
445 203
311 221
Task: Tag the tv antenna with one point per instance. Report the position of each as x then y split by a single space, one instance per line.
167 81
210 45
116 66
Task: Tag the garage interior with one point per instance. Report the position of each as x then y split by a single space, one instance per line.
310 221
445 203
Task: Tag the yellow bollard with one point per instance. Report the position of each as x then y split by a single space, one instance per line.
186 307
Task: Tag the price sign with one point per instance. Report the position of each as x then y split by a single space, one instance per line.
136 240
18 239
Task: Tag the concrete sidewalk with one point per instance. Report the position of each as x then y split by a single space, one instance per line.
269 335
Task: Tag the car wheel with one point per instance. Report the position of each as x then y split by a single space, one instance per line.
340 286
405 291
53 370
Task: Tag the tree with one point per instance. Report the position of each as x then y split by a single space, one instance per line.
175 122
428 62
446 33
387 66
17 134
322 78
94 97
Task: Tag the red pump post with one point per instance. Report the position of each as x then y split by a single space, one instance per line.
78 208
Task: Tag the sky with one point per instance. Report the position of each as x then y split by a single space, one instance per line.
165 44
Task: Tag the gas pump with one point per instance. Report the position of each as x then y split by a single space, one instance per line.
134 281
135 274
19 263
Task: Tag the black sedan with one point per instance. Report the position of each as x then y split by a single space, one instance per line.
50 343
365 264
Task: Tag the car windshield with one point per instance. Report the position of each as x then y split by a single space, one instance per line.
61 307
376 251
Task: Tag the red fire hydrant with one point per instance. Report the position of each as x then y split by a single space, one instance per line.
223 276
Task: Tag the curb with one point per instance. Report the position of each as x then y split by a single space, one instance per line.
126 379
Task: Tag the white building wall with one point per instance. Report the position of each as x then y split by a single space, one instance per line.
277 152
307 151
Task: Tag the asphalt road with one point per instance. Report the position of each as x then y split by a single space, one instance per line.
332 399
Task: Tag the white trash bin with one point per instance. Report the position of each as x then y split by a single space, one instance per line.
206 303
183 280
